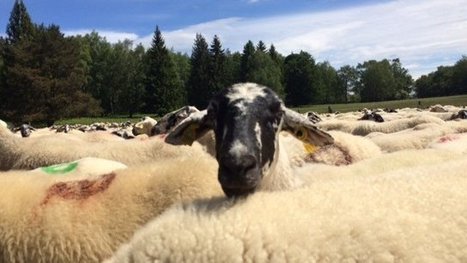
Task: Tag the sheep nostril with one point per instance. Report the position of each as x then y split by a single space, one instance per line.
248 163
238 165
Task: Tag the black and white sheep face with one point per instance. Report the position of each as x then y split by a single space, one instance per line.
246 119
25 130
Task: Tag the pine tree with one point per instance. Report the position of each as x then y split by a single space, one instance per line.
217 70
19 28
100 52
45 82
261 47
246 62
131 99
182 61
199 92
275 56
232 67
164 91
257 66
19 25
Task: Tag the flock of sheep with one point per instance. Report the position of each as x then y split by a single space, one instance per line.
245 180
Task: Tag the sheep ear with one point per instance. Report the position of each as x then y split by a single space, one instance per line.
190 129
299 126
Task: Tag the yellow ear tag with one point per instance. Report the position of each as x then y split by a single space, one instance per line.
310 148
302 135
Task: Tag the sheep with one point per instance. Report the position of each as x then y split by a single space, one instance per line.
94 135
462 114
453 142
416 138
312 116
372 116
87 167
25 130
125 133
437 108
64 128
144 126
365 127
3 124
345 150
417 214
172 119
85 218
247 119
336 148
30 153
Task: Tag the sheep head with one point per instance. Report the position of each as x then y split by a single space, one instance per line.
246 119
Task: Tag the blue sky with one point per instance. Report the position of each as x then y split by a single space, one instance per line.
422 33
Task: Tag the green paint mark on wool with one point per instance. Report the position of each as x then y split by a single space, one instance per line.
62 168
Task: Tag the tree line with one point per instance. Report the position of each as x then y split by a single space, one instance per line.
45 76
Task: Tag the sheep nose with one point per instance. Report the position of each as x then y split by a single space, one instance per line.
239 165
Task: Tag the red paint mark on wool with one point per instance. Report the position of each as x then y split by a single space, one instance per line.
448 138
78 190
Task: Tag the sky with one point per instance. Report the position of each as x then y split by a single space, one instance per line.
423 34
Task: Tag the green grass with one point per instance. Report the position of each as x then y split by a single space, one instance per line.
460 100
90 120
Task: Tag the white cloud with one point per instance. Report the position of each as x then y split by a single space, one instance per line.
422 33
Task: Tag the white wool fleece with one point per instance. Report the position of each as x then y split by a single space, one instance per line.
418 214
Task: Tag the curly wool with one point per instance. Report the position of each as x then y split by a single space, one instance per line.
417 214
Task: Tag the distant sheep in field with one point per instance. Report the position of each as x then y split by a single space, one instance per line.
64 128
30 153
365 127
372 116
82 217
312 116
144 126
25 130
412 214
416 138
437 108
462 114
125 133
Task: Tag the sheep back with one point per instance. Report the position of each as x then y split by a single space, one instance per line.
47 218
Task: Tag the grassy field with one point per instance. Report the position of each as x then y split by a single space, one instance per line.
460 100
87 120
